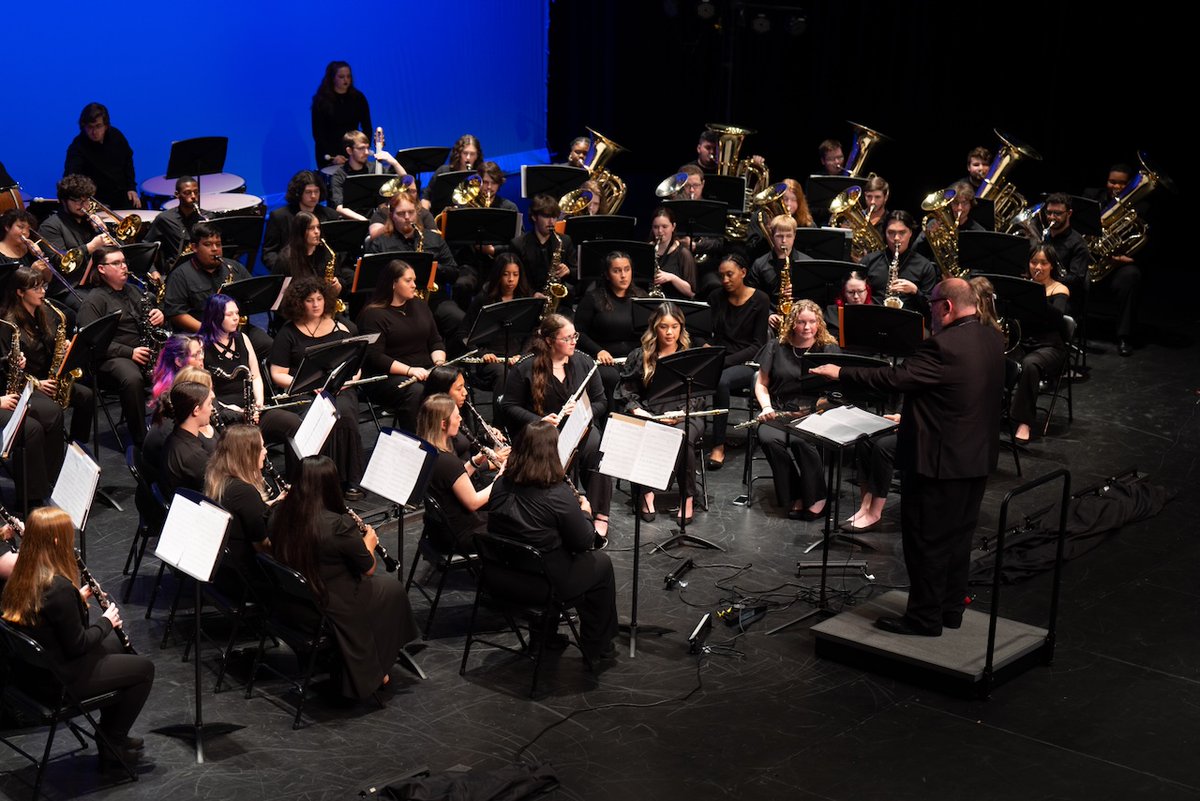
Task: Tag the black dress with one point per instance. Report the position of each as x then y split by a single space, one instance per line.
247 528
344 445
461 524
679 262
605 322
221 360
742 331
37 345
409 335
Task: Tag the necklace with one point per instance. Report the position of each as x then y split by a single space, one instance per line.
311 331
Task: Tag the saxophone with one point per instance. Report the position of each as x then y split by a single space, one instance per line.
655 287
150 335
785 286
425 291
62 390
339 304
17 378
554 290
893 299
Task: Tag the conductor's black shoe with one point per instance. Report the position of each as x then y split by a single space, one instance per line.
805 514
1123 347
900 625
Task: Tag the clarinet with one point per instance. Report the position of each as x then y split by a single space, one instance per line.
276 486
9 519
102 598
492 456
389 563
494 434
601 540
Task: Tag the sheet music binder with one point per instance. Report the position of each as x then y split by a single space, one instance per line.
394 443
193 535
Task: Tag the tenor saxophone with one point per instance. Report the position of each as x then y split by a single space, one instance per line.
62 389
339 304
554 290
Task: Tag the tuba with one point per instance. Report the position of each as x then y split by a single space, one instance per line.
865 237
997 188
864 140
612 188
62 390
1123 232
729 145
941 232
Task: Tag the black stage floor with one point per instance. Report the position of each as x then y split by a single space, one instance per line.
762 717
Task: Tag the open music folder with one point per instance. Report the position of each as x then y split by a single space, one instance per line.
842 425
76 485
574 429
400 466
193 535
640 451
13 426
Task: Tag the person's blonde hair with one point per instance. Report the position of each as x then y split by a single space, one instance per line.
432 418
197 374
785 329
47 550
236 456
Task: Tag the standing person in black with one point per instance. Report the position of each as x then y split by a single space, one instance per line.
126 360
305 191
356 148
541 248
409 344
172 228
675 269
312 533
337 107
506 282
308 307
532 503
604 319
40 325
69 228
43 599
234 479
464 155
102 153
740 315
403 234
539 389
765 271
916 275
186 454
948 443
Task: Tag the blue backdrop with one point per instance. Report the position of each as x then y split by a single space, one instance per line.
248 70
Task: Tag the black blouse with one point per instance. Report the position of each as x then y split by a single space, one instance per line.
785 370
227 359
407 334
547 518
678 262
742 330
611 330
518 393
290 344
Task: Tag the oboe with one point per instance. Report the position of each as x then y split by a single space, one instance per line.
102 598
389 563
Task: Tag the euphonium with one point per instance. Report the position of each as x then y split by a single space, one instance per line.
62 389
655 287
554 290
612 188
893 299
997 188
729 144
1026 223
468 192
941 233
864 140
339 304
1123 232
766 206
785 286
17 377
865 237
575 202
128 226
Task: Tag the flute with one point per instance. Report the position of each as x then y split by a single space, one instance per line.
755 421
679 413
102 598
455 360
389 563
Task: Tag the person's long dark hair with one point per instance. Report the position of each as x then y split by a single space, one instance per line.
297 520
492 288
604 294
36 325
534 459
323 98
381 296
542 346
295 252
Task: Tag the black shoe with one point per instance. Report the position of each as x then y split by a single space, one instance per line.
900 625
713 464
805 514
1123 347
117 758
952 620
850 528
684 520
354 494
605 654
555 642
648 517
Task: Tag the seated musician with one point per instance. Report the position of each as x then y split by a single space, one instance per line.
465 154
308 306
357 148
531 503
16 227
237 379
604 319
438 423
740 314
979 162
916 275
409 344
305 191
449 379
577 152
959 210
676 273
593 207
312 532
665 334
162 423
796 204
41 434
796 465
1072 250
705 249
832 157
102 153
381 216
706 151
193 282
874 202
764 273
403 234
306 256
44 600
1042 353
8 555
1122 285
234 479
855 292
541 248
70 227
187 449
541 388
506 282
41 326
172 228
474 260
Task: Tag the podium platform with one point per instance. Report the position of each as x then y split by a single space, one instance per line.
954 663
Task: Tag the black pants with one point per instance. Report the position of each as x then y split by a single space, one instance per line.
124 376
344 445
937 521
687 455
875 459
448 316
39 454
586 581
735 378
1121 287
83 407
404 402
131 677
796 467
596 486
1035 365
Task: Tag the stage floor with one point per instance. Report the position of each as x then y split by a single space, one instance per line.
761 717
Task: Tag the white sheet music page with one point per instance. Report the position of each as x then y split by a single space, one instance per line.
639 450
844 424
395 466
76 485
192 536
315 427
13 426
574 429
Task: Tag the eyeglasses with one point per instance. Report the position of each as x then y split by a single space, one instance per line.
573 338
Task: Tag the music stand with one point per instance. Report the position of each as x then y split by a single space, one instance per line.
441 190
830 244
586 228
479 227
698 217
1085 215
984 213
366 273
554 180
820 190
417 160
196 157
345 236
993 253
698 318
727 189
240 234
327 367
1025 301
594 253
879 329
255 295
85 349
819 280
516 318
686 374
360 193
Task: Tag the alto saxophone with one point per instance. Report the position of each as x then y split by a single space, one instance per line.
62 389
893 299
17 377
655 288
785 286
339 304
554 290
425 291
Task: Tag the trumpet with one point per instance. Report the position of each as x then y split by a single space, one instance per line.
128 226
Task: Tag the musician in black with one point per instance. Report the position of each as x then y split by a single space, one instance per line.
506 282
676 273
187 450
131 351
764 273
356 147
337 106
542 247
41 434
1072 250
102 153
305 256
234 479
1043 351
706 152
833 158
70 228
705 249
465 154
172 228
1121 286
916 275
979 162
578 151
439 423
876 192
543 388
305 191
16 225
604 319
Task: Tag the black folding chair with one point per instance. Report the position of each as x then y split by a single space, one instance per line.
437 546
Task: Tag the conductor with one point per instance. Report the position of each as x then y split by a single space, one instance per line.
947 444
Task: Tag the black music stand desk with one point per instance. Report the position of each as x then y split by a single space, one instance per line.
586 228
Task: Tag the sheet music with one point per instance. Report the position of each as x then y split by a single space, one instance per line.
573 431
76 485
843 424
279 298
395 466
640 451
13 426
192 536
315 427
